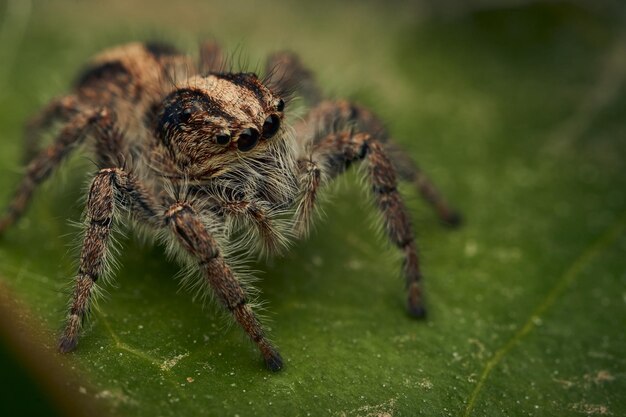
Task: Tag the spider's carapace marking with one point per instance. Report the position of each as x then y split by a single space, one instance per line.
202 159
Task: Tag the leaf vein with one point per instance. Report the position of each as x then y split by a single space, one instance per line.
123 346
583 260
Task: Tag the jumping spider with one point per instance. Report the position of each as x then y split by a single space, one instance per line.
203 159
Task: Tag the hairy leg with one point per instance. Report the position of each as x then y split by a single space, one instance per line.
331 156
46 161
60 109
409 171
188 228
109 187
333 116
211 57
287 75
253 214
311 169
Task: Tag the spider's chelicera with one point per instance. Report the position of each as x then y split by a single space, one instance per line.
203 159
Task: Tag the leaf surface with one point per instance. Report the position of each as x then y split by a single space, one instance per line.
518 114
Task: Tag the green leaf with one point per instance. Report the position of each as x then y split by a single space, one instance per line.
517 113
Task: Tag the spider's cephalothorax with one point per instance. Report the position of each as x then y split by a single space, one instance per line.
213 122
199 157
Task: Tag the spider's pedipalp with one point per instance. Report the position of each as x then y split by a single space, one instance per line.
251 215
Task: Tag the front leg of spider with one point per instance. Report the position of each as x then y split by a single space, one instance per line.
188 228
340 133
343 114
395 217
104 194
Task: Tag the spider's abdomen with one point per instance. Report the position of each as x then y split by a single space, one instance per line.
102 75
131 73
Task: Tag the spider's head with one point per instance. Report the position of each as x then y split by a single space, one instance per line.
211 122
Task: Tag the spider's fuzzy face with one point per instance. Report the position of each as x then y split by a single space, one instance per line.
211 123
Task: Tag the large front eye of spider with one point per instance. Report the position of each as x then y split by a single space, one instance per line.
270 126
248 138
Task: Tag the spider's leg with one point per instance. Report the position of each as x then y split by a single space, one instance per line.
252 213
332 116
108 189
311 170
211 57
409 171
287 75
60 109
331 156
189 229
46 161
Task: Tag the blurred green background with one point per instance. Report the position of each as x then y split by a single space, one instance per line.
517 110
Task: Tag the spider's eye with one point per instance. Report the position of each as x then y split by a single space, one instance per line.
271 125
185 115
222 139
280 106
248 139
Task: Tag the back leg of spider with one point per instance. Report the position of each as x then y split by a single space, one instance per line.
60 109
330 157
46 161
287 75
211 57
409 171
